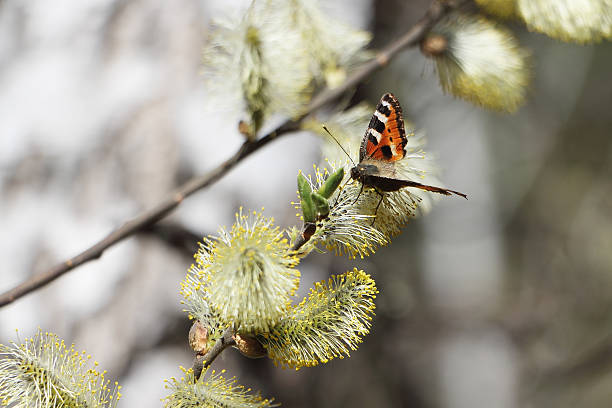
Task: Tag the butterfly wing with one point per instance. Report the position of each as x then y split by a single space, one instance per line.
384 143
390 184
385 138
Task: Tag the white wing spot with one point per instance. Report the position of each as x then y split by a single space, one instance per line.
393 150
381 117
376 134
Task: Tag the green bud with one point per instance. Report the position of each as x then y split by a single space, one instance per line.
305 191
332 183
321 205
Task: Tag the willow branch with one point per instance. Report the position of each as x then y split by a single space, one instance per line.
146 218
436 11
202 361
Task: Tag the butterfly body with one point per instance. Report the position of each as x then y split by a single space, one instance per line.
371 175
383 144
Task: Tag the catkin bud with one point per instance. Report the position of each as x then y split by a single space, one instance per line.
249 346
198 337
434 45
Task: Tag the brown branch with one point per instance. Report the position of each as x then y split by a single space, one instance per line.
308 229
202 361
145 219
412 37
436 11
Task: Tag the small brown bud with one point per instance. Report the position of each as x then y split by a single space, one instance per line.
249 346
309 229
246 130
434 45
198 337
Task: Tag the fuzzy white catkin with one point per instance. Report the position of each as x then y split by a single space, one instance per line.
581 21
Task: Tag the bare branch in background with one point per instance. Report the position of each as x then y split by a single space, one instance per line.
411 38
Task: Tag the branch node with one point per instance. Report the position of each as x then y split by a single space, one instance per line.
200 361
382 59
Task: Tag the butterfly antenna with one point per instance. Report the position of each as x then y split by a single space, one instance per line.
336 140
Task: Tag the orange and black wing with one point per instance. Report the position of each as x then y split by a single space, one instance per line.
385 138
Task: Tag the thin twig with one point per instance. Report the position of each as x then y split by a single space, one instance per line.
145 219
412 37
436 11
200 362
308 229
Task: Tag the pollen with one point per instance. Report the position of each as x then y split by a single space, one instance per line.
326 325
247 274
211 389
43 370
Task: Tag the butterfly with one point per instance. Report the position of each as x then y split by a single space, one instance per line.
382 146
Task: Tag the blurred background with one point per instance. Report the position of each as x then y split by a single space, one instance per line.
500 301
